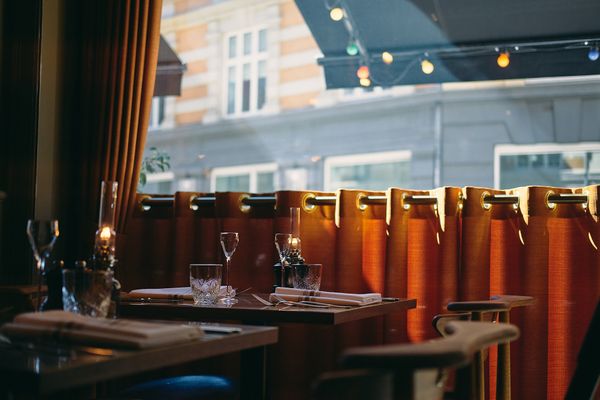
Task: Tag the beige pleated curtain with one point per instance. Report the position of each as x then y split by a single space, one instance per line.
460 248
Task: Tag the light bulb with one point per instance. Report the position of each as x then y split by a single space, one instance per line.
362 72
387 57
593 54
366 82
503 59
352 49
427 67
336 13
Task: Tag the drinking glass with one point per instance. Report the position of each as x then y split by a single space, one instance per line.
42 236
229 242
307 276
205 281
87 292
283 243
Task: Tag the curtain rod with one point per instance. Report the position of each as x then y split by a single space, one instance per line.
148 202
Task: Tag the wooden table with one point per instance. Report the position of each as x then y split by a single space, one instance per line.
250 310
322 322
41 371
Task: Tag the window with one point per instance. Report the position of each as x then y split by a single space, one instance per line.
157 114
256 178
159 183
246 72
371 171
547 164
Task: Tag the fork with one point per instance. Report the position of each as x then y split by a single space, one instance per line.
285 302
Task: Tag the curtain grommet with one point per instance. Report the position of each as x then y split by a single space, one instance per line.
360 201
144 207
460 202
485 205
405 205
192 205
306 206
549 204
244 207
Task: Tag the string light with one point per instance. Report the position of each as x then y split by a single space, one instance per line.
503 59
387 57
593 54
363 72
427 67
366 82
336 13
352 48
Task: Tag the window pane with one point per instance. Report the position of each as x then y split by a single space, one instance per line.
246 88
262 84
231 91
561 169
233 183
370 176
262 40
265 182
232 46
247 43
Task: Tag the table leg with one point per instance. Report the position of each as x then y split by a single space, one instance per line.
253 374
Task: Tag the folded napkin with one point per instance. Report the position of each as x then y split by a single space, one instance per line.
66 326
181 293
343 299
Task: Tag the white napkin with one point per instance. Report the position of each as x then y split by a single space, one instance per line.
66 326
348 299
183 293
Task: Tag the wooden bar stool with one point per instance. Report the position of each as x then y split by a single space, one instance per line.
410 371
497 309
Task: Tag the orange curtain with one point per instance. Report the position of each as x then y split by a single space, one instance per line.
116 43
459 248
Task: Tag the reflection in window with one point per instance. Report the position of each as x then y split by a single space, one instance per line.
547 165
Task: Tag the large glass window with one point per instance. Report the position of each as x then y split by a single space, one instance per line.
245 71
271 83
547 165
374 171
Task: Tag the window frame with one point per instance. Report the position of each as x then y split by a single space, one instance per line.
156 122
537 148
254 58
382 157
248 169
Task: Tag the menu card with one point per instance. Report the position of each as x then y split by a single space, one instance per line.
64 326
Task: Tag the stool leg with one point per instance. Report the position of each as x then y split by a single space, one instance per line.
477 369
503 371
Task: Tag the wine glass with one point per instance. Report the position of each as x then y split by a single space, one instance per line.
229 242
283 243
42 236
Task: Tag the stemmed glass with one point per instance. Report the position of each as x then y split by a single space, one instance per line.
283 243
42 236
229 242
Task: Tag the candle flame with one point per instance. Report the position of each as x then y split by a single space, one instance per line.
105 233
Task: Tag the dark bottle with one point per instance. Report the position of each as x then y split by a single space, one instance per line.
53 278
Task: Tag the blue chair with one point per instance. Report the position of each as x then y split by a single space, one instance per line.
198 387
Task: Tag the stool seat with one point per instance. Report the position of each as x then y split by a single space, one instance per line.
183 388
